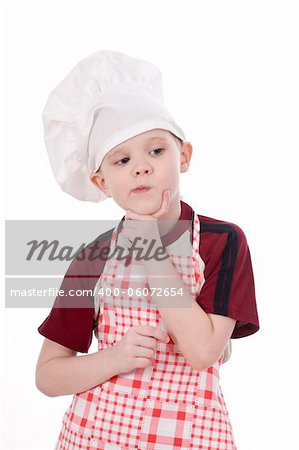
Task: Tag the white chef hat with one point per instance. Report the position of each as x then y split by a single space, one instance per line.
106 99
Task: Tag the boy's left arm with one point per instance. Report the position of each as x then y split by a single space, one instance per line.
200 336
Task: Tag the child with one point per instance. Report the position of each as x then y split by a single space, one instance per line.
154 381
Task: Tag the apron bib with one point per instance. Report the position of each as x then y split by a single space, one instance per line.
168 405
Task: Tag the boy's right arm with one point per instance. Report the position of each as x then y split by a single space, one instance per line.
59 371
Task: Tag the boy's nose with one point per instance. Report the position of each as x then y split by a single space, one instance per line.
141 163
142 166
142 171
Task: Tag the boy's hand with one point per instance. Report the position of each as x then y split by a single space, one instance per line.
137 347
144 226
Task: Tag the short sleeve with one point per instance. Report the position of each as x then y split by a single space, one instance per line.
71 320
228 288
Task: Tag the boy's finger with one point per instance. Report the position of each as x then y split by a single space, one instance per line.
164 205
155 332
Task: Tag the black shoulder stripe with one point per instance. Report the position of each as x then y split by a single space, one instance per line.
226 272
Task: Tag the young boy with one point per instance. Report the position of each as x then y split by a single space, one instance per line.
154 382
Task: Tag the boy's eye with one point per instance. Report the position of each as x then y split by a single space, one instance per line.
158 149
120 161
155 150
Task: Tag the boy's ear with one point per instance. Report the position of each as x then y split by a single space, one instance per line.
186 153
99 182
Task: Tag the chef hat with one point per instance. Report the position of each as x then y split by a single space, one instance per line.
107 98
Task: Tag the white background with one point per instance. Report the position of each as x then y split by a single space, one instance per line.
229 74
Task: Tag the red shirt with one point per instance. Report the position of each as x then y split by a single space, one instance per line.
228 289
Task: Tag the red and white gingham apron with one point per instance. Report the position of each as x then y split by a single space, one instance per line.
165 406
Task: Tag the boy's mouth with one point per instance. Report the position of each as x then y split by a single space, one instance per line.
141 189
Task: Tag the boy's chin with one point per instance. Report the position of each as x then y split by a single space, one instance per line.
145 207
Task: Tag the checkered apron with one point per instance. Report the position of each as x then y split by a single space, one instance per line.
168 405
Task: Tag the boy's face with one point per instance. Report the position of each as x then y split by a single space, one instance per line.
153 159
